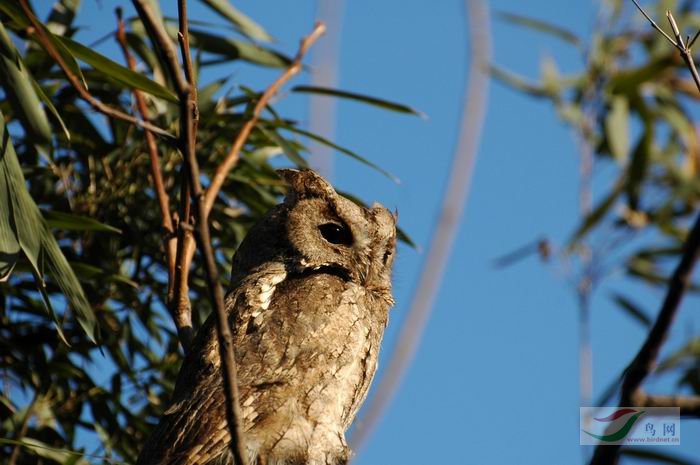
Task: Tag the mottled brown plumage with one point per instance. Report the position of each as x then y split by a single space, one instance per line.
308 304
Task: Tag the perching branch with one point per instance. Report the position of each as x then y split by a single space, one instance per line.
40 34
159 187
178 296
454 200
187 141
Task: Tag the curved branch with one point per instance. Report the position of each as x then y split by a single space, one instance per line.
454 200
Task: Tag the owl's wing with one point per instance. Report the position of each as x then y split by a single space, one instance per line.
194 430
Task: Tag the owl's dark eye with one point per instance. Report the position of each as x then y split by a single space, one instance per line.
336 234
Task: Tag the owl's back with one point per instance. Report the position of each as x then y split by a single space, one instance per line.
306 348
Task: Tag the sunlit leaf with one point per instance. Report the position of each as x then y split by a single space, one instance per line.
117 72
71 222
617 128
17 82
639 166
343 150
243 23
377 102
35 238
286 147
541 26
518 83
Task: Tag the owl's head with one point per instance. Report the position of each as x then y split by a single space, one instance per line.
316 230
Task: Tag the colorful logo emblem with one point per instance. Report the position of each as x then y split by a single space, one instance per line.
629 425
615 436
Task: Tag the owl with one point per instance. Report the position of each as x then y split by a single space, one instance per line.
308 304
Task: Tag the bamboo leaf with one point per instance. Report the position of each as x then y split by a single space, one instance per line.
117 72
632 309
243 23
13 10
71 222
20 92
377 102
35 238
234 49
639 165
286 147
49 104
518 83
617 128
597 214
342 150
541 26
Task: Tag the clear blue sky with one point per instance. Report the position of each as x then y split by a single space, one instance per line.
496 378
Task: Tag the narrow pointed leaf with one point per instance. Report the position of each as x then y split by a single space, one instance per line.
289 151
597 214
71 222
117 72
20 92
247 26
377 102
632 309
342 150
541 26
617 128
35 238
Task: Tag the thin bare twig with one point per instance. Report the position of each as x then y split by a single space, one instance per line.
178 296
454 200
40 34
688 405
170 239
232 157
188 125
656 26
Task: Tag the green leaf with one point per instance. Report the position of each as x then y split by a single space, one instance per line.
117 72
244 24
593 218
43 450
49 104
35 238
639 165
632 309
85 271
381 103
15 12
617 128
340 149
9 243
234 49
518 83
541 26
71 222
286 147
20 92
688 353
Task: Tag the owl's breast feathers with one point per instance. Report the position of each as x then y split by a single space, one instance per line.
306 347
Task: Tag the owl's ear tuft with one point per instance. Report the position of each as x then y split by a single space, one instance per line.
306 183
